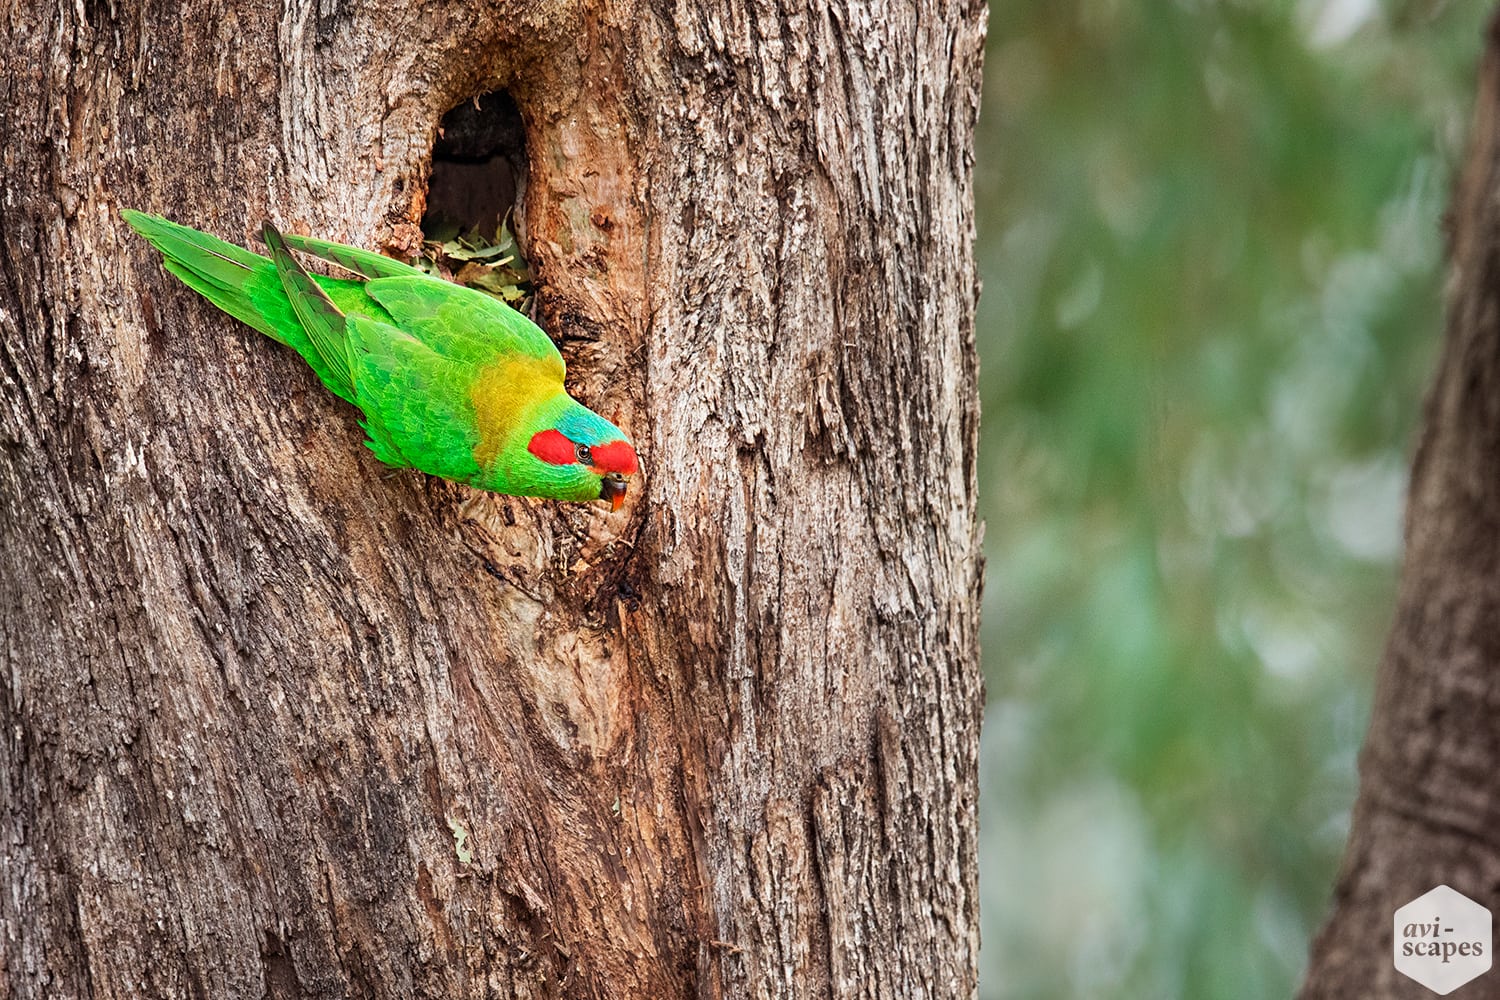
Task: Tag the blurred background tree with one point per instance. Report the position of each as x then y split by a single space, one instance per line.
1211 254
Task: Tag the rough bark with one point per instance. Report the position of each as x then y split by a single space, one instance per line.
1429 798
279 722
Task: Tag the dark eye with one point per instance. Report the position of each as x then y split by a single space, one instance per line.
584 456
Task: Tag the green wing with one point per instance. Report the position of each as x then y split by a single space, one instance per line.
416 402
320 318
455 321
461 323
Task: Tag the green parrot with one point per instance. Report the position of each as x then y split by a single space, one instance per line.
450 381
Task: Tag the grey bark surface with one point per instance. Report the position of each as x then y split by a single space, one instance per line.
276 721
1429 798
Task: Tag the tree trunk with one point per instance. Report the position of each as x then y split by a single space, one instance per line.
1429 799
280 722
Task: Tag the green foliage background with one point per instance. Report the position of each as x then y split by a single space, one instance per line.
1210 243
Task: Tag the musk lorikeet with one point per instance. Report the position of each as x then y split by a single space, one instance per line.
450 381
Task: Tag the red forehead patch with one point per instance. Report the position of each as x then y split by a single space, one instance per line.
552 447
617 456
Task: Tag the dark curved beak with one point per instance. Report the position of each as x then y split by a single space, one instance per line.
612 488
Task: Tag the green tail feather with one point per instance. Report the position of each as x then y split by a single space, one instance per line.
248 287
221 272
362 262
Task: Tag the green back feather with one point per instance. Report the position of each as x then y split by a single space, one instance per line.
461 323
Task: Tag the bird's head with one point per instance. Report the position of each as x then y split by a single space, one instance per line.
581 456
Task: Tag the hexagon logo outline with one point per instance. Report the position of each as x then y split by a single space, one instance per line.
1443 940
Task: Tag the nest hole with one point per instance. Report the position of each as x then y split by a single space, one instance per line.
478 166
474 192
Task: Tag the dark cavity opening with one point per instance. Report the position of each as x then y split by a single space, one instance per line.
478 167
